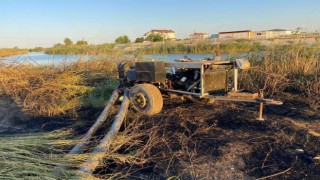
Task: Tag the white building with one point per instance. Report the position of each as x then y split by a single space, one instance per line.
166 34
269 34
199 36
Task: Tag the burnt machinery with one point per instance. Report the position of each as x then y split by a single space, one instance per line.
147 81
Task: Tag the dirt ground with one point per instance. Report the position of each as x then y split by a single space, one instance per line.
223 140
10 115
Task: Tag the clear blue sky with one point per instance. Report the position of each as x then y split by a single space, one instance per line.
31 23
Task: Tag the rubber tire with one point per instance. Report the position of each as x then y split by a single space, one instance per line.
153 97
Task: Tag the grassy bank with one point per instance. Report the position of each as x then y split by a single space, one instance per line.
159 48
199 48
11 52
82 49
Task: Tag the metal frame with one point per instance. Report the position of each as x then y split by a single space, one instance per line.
202 66
205 65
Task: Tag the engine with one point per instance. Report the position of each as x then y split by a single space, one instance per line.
184 79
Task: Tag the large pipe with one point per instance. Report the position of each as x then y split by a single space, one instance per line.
101 119
98 154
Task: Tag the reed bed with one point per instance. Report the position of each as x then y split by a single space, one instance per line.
11 51
38 156
290 68
202 47
62 90
82 49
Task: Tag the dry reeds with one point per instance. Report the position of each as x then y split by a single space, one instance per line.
51 91
36 156
42 91
11 51
293 68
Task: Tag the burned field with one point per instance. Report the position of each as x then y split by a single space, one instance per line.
189 139
195 140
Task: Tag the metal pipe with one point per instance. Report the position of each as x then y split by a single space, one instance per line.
194 84
202 80
101 119
99 152
183 92
235 79
260 118
260 112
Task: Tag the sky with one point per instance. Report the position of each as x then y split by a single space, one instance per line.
42 23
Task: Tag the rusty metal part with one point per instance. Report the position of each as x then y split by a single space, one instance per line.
260 118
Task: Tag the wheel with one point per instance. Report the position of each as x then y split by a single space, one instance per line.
146 99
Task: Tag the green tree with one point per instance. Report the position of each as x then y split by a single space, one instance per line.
82 42
139 40
57 45
155 37
122 39
67 41
37 49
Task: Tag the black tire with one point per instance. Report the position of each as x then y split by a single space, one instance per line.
146 99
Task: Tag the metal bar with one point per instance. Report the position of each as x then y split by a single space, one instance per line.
260 113
258 100
235 78
260 118
194 84
183 92
202 80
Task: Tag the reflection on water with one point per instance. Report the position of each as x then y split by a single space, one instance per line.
40 58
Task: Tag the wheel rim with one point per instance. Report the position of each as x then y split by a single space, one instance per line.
139 100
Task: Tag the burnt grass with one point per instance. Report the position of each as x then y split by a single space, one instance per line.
196 140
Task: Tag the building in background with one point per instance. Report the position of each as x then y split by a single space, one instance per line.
199 36
278 33
214 36
259 35
166 34
233 35
269 34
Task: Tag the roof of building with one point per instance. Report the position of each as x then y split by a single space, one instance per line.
198 34
279 30
235 32
162 30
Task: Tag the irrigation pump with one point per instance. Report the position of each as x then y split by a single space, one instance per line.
143 85
215 80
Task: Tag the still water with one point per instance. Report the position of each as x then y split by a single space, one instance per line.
40 58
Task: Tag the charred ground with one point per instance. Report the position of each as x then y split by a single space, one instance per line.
194 140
